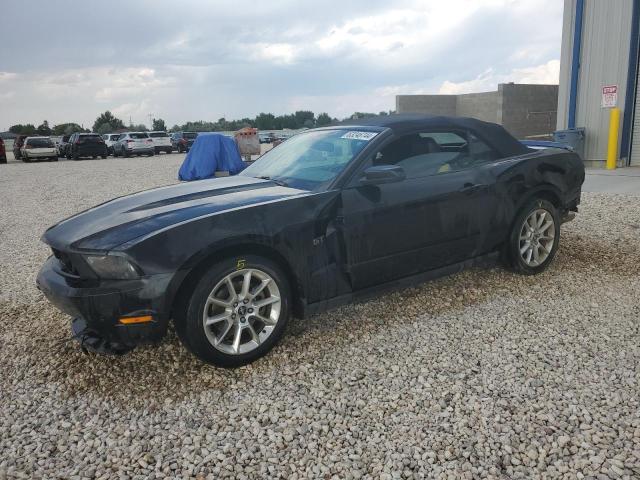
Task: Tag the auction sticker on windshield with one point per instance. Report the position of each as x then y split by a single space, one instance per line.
366 136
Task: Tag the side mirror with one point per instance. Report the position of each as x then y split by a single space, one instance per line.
380 174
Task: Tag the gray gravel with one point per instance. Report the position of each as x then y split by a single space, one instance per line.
484 374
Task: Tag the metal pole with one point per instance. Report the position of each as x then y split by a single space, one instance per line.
614 130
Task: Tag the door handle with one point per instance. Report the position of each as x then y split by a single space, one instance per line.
469 188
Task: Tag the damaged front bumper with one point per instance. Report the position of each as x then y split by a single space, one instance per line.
99 309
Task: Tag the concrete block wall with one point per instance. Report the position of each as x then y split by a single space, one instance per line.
429 104
529 110
524 110
483 106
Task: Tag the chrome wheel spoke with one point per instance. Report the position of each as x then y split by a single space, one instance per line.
217 318
246 283
254 336
524 248
266 301
220 302
224 334
536 254
260 288
546 226
232 290
266 320
236 339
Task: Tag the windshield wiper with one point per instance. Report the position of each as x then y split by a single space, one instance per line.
274 180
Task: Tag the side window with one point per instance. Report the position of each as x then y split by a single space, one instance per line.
480 151
432 153
425 153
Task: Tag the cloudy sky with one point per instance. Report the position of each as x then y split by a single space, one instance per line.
67 60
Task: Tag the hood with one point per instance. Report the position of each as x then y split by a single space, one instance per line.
123 219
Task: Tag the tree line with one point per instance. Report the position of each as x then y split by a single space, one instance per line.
109 123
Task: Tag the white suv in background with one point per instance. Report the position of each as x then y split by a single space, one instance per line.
109 140
161 142
133 143
38 148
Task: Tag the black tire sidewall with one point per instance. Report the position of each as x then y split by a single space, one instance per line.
192 330
517 262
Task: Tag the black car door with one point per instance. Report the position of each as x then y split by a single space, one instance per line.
437 216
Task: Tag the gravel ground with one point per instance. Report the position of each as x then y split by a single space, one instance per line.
484 374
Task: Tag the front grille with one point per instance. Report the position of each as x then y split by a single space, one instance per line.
65 262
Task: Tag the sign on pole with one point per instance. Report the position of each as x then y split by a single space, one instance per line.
609 96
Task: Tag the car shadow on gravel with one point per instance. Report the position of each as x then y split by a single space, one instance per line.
36 337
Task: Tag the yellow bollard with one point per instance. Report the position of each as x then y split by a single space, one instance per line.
614 129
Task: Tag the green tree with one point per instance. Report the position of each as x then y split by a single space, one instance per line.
139 128
44 129
108 117
265 121
159 125
26 129
303 117
104 128
323 120
66 129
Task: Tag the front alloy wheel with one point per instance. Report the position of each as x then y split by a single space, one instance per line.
235 312
241 311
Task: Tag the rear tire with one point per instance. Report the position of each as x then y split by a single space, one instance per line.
230 328
534 238
103 156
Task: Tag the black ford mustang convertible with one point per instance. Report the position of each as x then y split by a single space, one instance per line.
329 216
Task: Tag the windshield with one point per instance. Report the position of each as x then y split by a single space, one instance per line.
40 142
311 159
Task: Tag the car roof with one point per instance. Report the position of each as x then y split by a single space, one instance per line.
492 133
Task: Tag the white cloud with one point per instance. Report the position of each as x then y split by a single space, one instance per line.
335 56
547 73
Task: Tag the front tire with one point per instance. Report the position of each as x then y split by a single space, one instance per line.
237 311
534 238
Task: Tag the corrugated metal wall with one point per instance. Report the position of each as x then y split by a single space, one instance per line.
635 145
604 61
568 22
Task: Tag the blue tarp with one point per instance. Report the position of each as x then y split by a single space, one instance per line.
211 152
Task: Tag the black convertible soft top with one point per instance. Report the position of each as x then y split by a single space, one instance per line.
492 133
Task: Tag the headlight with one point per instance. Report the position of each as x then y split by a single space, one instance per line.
112 267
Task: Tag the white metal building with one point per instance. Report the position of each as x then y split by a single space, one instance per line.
600 41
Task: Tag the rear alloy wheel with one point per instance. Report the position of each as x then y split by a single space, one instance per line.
236 315
535 237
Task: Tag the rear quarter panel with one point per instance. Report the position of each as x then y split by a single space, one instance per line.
554 173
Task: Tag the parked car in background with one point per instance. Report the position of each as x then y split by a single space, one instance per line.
352 209
182 141
109 140
86 145
38 148
266 137
133 143
17 146
62 145
161 142
3 152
